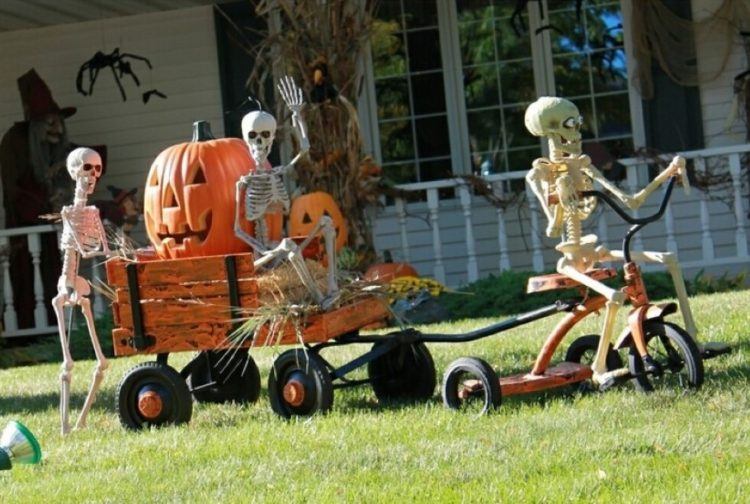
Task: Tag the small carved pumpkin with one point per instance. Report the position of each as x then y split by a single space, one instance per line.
307 210
189 201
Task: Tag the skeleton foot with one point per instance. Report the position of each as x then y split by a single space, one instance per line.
331 300
604 381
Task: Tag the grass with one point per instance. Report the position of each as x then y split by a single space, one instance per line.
619 446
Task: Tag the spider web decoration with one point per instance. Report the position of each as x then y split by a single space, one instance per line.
120 66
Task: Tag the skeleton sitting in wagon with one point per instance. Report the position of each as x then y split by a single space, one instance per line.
262 194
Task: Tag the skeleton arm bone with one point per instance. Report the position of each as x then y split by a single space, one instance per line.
295 101
238 231
629 201
103 235
535 177
675 168
636 200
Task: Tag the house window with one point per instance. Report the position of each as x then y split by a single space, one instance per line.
589 68
498 79
421 46
411 103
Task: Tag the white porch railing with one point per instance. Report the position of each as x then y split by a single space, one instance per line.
459 240
41 325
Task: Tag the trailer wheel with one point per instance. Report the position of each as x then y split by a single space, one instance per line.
235 377
299 384
152 394
471 384
406 373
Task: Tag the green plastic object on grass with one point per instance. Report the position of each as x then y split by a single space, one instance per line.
18 444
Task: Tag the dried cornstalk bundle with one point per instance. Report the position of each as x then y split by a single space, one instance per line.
284 300
320 45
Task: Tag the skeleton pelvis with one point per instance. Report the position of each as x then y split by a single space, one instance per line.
582 254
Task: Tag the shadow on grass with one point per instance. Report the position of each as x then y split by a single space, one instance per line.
105 400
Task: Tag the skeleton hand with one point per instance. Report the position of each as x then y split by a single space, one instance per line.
677 167
291 94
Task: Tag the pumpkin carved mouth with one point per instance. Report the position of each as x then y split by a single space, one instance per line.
195 237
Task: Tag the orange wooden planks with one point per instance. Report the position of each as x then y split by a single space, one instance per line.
176 271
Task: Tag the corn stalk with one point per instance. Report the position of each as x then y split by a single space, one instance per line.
304 36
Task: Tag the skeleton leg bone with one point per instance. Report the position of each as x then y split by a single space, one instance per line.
101 362
289 250
329 235
615 300
66 369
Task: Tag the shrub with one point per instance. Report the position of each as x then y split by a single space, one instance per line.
505 294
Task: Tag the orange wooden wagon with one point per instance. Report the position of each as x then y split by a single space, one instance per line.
194 304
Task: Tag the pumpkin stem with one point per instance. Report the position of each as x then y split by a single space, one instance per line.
202 131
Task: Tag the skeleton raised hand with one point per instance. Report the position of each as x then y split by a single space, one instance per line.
262 192
83 236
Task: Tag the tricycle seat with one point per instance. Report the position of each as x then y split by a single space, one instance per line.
557 281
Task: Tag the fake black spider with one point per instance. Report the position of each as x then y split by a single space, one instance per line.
116 62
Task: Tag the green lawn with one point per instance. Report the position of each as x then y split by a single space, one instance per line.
620 446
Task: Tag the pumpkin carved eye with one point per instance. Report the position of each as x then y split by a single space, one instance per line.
154 180
198 177
306 218
170 200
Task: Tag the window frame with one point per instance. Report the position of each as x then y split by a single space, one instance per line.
544 83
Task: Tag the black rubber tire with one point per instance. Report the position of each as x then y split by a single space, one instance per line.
675 351
405 373
165 381
236 375
475 368
310 370
582 347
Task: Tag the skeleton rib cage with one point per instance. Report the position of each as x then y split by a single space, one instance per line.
264 190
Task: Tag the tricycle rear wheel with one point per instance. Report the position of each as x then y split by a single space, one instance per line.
583 351
471 384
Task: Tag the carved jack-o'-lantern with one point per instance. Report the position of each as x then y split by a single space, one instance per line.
189 201
307 210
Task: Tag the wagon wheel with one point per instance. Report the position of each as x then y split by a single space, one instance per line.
406 373
153 394
233 376
299 384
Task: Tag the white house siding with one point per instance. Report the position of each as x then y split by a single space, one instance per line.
181 45
717 95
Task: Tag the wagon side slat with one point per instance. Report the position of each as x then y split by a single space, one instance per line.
194 290
177 271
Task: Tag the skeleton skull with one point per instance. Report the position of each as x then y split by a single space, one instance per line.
84 165
557 119
258 131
